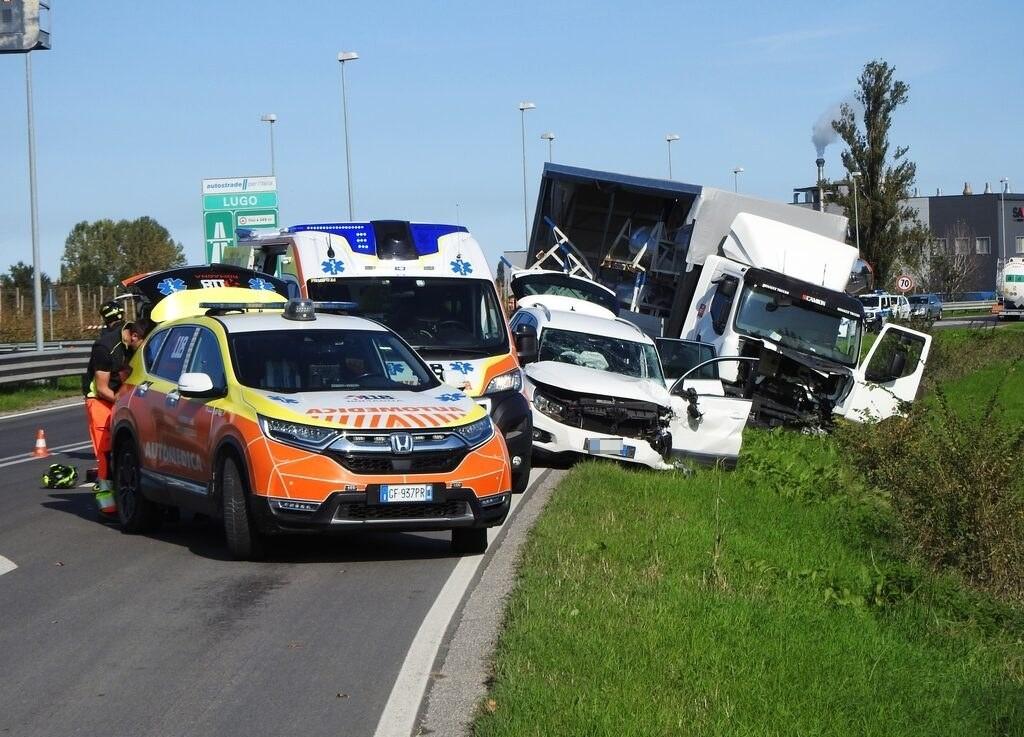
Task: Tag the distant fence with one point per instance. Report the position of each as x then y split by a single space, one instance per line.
69 312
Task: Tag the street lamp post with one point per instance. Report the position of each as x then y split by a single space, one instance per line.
736 178
550 138
342 58
1002 218
668 139
523 107
37 283
854 176
271 119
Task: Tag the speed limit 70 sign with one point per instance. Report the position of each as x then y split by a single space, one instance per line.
905 283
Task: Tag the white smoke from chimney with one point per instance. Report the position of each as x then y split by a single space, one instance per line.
822 132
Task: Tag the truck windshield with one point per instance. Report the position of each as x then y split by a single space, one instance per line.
456 317
625 357
287 361
799 325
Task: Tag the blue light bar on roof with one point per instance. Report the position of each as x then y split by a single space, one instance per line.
362 236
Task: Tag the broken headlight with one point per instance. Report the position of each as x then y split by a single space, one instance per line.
551 408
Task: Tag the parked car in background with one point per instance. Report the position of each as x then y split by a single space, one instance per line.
926 306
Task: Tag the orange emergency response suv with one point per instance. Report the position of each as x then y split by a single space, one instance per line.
286 416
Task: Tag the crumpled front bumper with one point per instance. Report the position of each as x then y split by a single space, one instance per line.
552 437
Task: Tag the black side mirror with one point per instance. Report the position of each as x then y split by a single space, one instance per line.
690 395
526 343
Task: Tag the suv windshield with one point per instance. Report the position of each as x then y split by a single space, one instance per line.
869 301
799 325
919 299
326 360
625 357
453 316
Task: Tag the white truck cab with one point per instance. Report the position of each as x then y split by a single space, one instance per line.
429 283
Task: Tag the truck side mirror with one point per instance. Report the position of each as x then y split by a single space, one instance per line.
526 343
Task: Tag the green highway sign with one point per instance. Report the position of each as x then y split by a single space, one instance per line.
238 202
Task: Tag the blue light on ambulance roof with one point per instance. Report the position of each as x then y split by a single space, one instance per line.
363 240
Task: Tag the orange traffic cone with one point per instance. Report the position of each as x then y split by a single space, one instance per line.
40 449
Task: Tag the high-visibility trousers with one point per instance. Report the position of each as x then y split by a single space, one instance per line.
99 411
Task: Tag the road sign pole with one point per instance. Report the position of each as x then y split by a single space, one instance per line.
37 279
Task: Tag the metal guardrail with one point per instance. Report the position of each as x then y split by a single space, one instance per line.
965 306
68 359
53 345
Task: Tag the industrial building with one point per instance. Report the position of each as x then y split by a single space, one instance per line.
984 228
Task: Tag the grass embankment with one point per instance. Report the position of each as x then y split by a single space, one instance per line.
778 599
18 397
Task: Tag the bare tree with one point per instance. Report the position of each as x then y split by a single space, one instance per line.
950 265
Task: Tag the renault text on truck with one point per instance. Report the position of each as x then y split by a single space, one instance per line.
430 284
278 417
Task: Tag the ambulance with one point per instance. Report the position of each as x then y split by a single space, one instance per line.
430 284
282 415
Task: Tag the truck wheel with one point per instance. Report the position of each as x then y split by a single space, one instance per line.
469 540
521 475
136 513
244 540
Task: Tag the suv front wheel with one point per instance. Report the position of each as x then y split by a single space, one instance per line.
136 513
244 540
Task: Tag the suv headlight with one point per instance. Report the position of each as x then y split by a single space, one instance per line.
547 406
476 432
508 381
311 437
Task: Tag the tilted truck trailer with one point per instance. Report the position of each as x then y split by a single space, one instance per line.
429 283
742 277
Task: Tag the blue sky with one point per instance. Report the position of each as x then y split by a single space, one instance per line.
138 101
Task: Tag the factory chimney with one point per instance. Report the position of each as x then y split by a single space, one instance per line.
820 161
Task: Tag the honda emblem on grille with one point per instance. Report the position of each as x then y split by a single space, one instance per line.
401 442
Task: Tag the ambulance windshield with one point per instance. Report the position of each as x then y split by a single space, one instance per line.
453 317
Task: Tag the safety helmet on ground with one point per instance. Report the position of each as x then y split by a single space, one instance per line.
60 476
112 311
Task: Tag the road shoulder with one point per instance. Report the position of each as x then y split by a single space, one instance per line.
463 666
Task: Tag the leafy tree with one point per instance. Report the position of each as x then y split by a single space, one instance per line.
21 275
890 233
104 252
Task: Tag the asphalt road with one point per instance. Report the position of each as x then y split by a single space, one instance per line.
108 634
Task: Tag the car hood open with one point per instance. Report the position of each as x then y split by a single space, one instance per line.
595 381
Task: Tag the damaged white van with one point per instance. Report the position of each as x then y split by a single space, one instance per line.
596 388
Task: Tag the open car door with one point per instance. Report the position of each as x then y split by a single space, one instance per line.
889 375
707 426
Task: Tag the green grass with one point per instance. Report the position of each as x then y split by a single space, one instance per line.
771 600
26 396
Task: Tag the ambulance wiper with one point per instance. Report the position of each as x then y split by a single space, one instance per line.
451 349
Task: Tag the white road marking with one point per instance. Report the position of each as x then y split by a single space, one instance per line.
6 565
54 408
399 716
26 457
